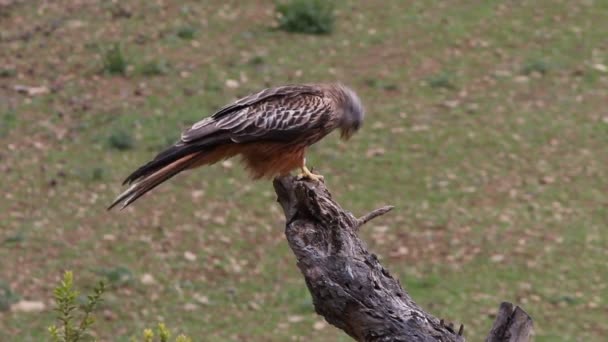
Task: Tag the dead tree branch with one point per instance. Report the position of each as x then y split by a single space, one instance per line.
349 286
511 325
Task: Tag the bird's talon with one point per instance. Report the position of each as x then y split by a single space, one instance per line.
316 178
306 174
312 177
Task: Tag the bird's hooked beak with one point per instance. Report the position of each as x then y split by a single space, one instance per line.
346 133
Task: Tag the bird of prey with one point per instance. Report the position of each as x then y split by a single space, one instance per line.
270 130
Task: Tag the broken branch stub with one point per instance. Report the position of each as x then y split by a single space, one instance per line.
348 285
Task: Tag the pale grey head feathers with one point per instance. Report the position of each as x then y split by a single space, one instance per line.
352 117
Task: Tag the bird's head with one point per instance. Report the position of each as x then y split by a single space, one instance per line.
352 115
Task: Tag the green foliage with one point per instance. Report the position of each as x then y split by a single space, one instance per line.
114 60
306 16
164 335
186 32
97 173
591 77
70 328
380 84
7 72
256 60
15 238
90 173
566 299
117 276
8 120
73 329
154 68
441 80
120 139
7 296
535 65
212 82
183 338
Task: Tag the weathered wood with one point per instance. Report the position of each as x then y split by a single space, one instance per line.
512 324
349 286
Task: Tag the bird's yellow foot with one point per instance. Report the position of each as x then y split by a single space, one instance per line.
309 175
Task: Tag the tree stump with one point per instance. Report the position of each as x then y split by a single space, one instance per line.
349 286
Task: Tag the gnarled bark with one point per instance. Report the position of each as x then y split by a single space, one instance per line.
512 324
349 286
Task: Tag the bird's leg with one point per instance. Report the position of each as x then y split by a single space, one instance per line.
307 174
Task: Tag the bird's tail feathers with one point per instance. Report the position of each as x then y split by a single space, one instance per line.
141 186
170 155
174 153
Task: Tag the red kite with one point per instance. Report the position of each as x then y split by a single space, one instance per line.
270 130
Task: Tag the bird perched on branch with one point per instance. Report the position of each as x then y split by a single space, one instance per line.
270 130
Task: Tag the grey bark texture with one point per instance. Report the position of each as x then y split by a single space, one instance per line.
512 324
349 286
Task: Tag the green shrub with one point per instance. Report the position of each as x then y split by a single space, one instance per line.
441 80
7 296
163 335
7 72
97 173
114 61
186 32
154 68
72 329
535 65
121 140
89 173
256 60
18 237
8 121
306 16
117 276
380 84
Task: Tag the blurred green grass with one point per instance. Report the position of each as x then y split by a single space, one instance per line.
499 179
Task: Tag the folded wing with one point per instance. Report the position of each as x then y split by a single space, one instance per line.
282 114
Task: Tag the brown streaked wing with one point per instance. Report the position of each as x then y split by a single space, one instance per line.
208 125
287 90
199 130
280 119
